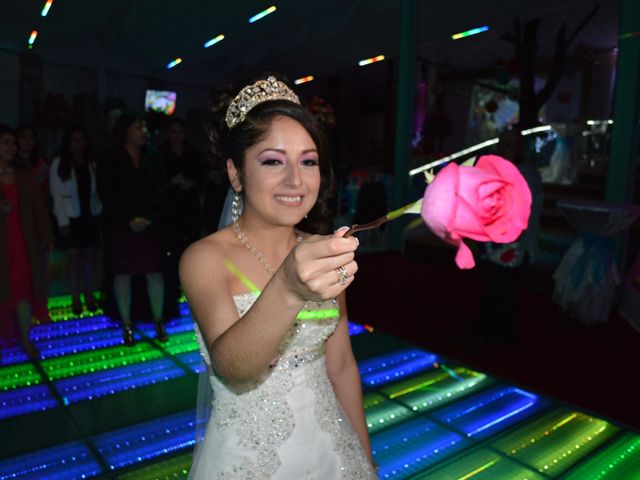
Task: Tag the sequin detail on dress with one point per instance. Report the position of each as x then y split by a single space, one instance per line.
255 422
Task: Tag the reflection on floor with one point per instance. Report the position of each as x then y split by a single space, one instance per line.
93 408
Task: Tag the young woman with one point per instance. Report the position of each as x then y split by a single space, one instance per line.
25 239
76 206
131 182
267 293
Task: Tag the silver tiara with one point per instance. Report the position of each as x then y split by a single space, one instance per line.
253 95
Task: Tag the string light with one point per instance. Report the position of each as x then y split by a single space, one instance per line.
46 8
174 63
306 79
213 41
262 14
468 33
32 38
367 61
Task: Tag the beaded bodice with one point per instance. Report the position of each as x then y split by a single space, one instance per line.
305 339
260 418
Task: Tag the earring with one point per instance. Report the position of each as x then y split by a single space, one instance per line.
235 207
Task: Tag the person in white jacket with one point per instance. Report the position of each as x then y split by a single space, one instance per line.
76 206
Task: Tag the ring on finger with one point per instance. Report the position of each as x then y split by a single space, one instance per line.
343 274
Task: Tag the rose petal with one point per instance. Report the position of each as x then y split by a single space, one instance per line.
464 257
438 205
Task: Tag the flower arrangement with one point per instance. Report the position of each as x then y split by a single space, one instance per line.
488 201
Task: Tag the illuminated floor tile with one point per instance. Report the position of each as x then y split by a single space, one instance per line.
176 325
108 382
12 356
436 388
395 366
617 460
65 462
49 331
81 342
381 412
89 362
193 360
176 468
16 376
25 400
138 443
555 442
356 329
181 342
413 446
490 411
481 464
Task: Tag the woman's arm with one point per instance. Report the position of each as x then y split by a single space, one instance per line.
241 349
345 377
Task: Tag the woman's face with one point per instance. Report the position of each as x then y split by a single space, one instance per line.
281 174
7 147
177 134
26 141
137 134
77 144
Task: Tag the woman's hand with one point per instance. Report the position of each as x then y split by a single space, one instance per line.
322 266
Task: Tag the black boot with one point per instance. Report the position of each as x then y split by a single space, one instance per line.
161 333
127 335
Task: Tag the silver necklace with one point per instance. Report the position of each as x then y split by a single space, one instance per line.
257 253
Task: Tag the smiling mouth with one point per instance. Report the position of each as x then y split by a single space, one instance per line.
289 200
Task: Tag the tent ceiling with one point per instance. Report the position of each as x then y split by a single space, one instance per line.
302 37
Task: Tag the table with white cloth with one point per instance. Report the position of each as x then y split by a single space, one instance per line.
587 276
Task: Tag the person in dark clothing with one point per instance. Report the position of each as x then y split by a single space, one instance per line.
131 185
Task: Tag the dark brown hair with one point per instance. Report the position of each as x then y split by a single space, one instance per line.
233 143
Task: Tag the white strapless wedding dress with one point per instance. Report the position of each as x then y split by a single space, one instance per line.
289 425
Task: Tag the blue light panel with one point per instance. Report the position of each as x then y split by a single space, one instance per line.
108 382
413 446
132 445
176 325
193 360
65 462
82 342
12 356
356 329
50 331
25 400
490 411
395 366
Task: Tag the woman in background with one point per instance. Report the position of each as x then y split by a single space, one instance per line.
76 206
25 240
131 184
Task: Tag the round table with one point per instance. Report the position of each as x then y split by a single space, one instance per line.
587 276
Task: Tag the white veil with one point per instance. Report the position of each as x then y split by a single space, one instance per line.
204 403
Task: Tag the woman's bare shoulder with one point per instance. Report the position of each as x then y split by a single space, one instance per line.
208 252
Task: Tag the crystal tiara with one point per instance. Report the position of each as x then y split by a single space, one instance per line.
255 94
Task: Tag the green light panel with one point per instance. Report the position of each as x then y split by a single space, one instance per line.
181 343
557 441
176 468
436 388
619 460
16 376
481 464
381 412
88 362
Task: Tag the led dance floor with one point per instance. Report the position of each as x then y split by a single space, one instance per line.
93 408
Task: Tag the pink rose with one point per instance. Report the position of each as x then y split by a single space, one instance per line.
489 202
